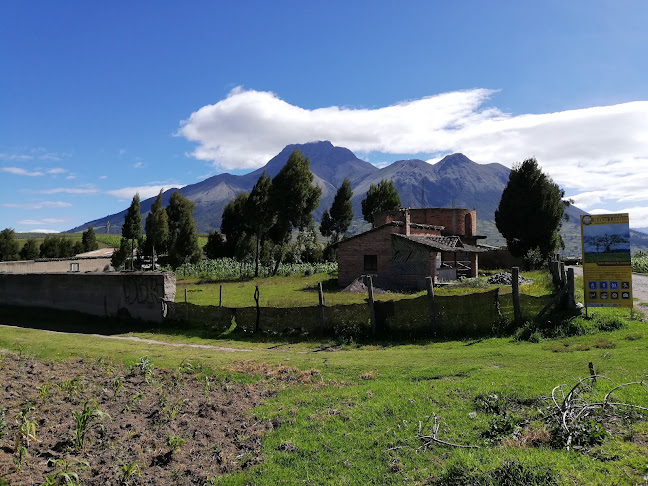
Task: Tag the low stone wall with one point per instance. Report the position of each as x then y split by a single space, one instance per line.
98 264
111 294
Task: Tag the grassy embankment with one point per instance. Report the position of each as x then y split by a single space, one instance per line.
357 423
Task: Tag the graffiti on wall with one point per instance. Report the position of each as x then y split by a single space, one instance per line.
143 289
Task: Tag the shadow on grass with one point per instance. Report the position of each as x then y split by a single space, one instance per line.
68 321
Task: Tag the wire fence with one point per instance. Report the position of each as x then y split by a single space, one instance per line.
465 316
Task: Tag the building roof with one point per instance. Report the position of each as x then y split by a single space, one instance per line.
100 253
441 243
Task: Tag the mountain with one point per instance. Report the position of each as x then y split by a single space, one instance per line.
455 181
329 165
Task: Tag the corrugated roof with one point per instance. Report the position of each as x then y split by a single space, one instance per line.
442 243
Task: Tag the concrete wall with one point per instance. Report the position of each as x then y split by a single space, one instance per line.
110 294
56 266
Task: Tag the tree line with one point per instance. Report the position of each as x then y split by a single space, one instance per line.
170 231
51 247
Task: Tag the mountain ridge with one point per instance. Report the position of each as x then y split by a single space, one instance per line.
454 181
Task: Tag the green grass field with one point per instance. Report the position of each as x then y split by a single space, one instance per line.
358 421
302 290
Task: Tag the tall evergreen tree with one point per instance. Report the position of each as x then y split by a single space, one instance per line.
531 210
336 221
89 240
8 245
132 228
381 197
183 238
30 250
293 198
259 215
157 227
234 225
120 255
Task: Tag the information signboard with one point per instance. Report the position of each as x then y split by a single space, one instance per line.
607 265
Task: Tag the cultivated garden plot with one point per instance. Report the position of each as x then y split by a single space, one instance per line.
98 423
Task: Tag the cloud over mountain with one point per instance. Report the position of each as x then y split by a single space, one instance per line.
599 154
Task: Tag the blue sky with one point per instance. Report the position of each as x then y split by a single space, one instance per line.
102 99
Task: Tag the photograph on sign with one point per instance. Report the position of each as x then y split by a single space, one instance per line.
606 243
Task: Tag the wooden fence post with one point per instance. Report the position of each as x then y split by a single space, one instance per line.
432 307
370 300
571 299
322 305
563 275
515 285
257 326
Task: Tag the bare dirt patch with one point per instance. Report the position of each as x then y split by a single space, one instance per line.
143 425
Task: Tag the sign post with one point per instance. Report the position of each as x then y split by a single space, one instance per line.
607 264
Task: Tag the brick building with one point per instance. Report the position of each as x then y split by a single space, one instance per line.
406 245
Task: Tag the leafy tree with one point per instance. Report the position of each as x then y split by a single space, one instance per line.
123 253
157 227
531 210
49 248
293 198
8 245
183 238
382 197
259 215
216 246
233 223
336 221
132 228
77 248
30 250
65 248
89 240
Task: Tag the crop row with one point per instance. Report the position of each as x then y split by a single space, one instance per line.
230 269
640 264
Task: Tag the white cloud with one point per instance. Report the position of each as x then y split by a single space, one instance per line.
598 154
38 205
638 215
15 157
138 165
57 170
21 171
42 230
144 191
69 190
45 221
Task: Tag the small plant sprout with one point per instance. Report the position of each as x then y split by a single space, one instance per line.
174 443
86 419
144 367
132 401
129 472
26 431
72 388
64 473
117 385
3 422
